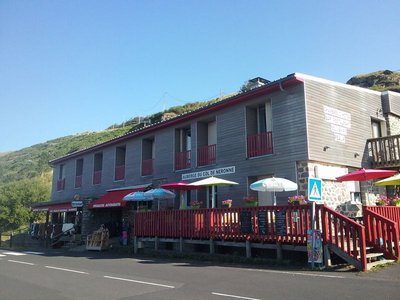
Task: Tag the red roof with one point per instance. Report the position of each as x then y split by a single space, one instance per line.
113 198
54 207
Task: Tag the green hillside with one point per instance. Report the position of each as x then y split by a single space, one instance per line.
378 81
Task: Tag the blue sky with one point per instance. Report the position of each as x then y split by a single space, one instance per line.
73 66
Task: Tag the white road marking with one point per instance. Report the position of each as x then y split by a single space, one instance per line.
14 253
142 282
34 253
2 255
298 273
234 296
67 270
21 262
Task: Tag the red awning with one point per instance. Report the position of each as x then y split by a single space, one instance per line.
54 207
113 198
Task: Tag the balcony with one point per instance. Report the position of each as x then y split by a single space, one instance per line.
119 172
207 155
78 181
61 184
384 151
183 160
97 177
259 144
147 167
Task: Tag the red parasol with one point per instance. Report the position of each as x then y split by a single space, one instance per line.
366 174
179 186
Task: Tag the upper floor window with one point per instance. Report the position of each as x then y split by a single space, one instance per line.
78 173
206 143
61 178
98 168
120 154
259 129
376 129
148 154
183 148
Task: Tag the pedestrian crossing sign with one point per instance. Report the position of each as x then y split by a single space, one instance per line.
314 189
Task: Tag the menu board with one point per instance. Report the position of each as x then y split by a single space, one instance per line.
280 222
245 222
262 222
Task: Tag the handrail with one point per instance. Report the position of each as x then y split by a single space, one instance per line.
346 234
55 238
382 233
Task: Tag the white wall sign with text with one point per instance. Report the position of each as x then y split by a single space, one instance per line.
208 173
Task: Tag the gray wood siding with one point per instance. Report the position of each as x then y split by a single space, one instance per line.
361 104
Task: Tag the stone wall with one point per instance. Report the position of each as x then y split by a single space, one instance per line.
336 195
393 123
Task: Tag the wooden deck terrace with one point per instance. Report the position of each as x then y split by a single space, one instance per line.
274 227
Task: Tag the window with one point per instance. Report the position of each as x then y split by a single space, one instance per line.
98 167
376 129
61 178
120 154
148 150
78 173
206 143
259 129
183 146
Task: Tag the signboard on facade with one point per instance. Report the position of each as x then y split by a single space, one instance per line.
77 204
208 173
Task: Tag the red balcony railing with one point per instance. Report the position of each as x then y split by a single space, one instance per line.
183 160
78 181
259 144
119 172
97 177
207 155
147 167
61 184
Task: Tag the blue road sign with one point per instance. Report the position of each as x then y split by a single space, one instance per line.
314 189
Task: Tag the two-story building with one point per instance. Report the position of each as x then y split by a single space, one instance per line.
295 127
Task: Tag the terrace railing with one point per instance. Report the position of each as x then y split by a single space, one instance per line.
259 144
119 172
183 160
382 229
97 177
61 184
207 155
147 167
78 181
385 151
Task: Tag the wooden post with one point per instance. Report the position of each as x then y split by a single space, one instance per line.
327 256
181 244
156 243
0 239
212 246
11 240
248 249
278 251
135 244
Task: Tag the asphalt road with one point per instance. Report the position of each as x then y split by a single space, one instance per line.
93 275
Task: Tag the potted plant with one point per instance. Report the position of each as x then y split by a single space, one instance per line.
382 200
250 200
227 203
297 200
195 204
395 201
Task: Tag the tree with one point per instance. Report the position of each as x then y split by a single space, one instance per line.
16 199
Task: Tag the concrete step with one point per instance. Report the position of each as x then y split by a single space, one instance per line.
378 263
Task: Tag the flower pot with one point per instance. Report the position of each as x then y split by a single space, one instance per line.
195 206
295 203
227 205
253 203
